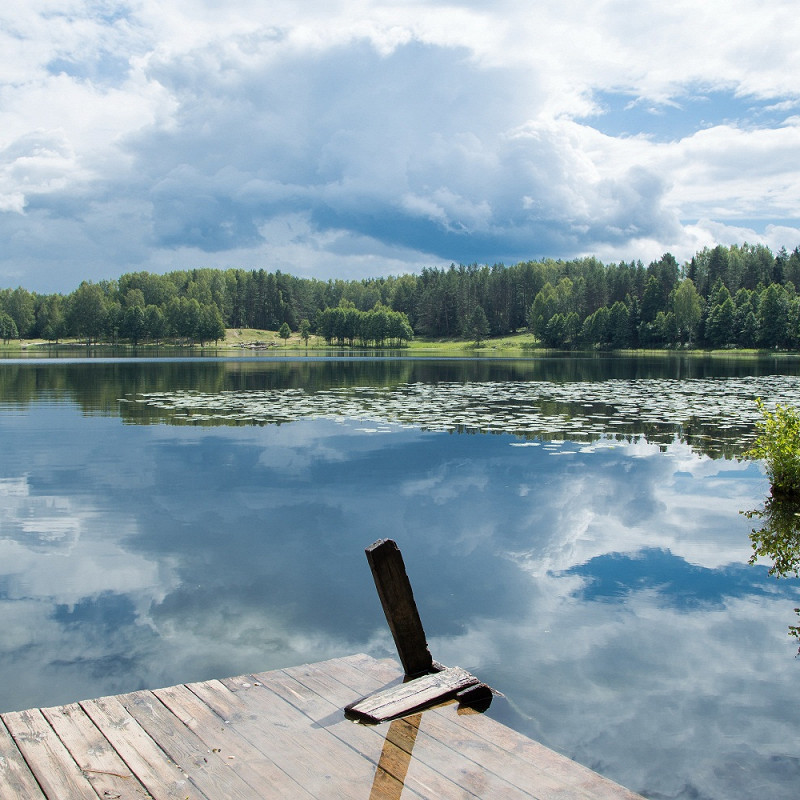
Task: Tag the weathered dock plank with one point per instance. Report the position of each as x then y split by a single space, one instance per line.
275 735
430 769
99 762
309 755
495 745
321 702
411 696
258 769
209 772
314 758
48 758
161 776
431 741
16 779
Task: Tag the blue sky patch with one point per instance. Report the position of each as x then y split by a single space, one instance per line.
627 115
106 69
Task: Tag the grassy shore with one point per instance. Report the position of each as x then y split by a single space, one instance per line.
239 340
261 342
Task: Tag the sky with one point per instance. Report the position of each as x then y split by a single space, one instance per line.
375 137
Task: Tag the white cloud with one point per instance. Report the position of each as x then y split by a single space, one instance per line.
729 172
155 135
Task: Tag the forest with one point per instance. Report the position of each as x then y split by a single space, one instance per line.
738 296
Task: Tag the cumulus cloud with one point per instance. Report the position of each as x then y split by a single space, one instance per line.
147 136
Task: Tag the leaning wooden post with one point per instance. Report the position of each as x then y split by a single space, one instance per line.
394 589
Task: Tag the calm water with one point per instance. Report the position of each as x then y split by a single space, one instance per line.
571 529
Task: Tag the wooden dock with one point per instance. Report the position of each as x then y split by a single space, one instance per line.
280 734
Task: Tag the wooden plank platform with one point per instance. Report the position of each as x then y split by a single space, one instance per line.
279 734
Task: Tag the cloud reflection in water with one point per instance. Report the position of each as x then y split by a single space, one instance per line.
182 553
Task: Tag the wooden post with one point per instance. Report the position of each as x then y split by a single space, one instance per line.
394 589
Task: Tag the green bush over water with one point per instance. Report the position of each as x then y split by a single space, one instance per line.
778 444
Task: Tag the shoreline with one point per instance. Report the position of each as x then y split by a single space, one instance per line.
249 341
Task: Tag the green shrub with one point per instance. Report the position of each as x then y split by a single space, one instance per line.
778 443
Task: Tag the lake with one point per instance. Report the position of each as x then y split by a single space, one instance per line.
571 528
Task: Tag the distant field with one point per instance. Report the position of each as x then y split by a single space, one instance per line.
243 337
259 341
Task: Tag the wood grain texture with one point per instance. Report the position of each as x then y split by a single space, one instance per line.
49 760
97 759
256 768
397 598
275 735
16 780
412 695
161 776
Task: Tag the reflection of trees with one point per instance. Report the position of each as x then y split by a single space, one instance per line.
778 539
558 412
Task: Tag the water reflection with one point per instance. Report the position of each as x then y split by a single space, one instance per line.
95 384
715 416
778 540
602 586
703 401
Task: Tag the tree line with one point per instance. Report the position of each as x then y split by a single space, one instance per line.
723 297
737 296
